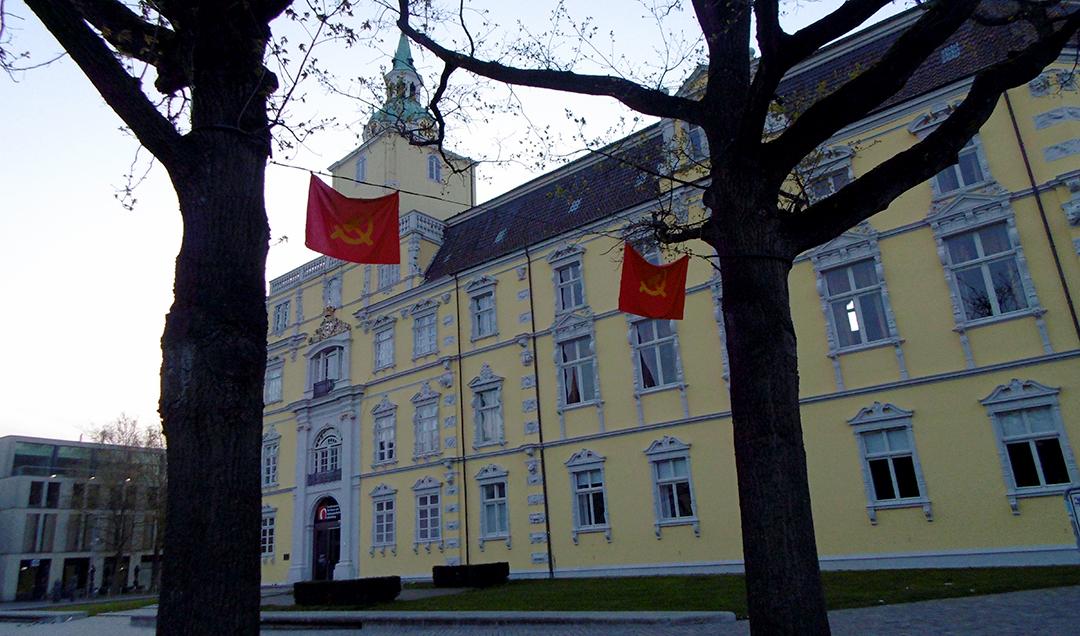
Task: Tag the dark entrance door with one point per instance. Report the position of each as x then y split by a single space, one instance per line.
33 579
327 539
76 572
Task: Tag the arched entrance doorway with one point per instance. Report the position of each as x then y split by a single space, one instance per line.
327 539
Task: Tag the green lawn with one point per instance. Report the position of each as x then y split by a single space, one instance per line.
726 592
108 606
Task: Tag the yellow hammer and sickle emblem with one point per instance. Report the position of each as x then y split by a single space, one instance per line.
655 285
363 236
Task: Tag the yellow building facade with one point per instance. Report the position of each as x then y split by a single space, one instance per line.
486 401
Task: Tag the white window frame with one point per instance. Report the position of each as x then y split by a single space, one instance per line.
579 367
971 151
361 168
281 317
876 419
487 383
586 461
424 490
477 289
833 166
639 350
326 452
383 353
434 169
271 449
268 533
384 433
926 124
425 330
971 214
493 476
388 275
384 512
273 381
697 143
663 450
427 440
565 257
332 292
1024 395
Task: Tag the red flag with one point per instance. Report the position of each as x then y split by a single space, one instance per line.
357 230
652 291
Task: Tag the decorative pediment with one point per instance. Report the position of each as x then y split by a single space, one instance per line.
1018 390
424 395
427 483
382 490
565 253
329 327
573 323
857 242
268 510
584 457
422 307
486 377
667 444
970 207
381 322
480 283
879 412
271 434
831 156
384 407
931 119
491 471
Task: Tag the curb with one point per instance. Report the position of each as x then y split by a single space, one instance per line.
288 620
39 617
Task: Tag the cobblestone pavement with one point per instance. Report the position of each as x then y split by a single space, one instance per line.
1054 612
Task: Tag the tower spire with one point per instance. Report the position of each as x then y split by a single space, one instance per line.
402 108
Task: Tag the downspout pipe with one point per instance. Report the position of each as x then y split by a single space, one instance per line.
539 418
1042 215
464 480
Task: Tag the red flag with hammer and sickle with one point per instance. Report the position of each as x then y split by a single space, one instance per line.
652 291
356 230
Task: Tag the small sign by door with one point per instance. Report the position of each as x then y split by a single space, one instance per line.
328 512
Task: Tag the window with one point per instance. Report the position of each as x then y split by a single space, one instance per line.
326 453
389 275
494 515
385 439
425 334
383 530
384 347
78 532
361 168
698 145
427 428
984 268
332 292
828 183
967 171
1035 453
428 517
856 311
891 472
577 369
281 317
673 491
270 464
39 532
325 370
434 168
272 383
482 308
37 490
487 408
587 494
569 293
266 536
655 353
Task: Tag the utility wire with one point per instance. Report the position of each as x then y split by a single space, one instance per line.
368 183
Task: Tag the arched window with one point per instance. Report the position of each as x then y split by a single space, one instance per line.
434 168
326 452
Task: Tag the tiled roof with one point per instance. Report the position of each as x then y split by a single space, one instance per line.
608 186
596 189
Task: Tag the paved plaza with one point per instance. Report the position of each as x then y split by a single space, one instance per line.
1052 612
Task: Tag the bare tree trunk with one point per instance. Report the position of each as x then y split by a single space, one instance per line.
214 350
783 577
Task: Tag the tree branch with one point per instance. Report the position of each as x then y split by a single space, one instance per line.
874 191
121 91
635 96
804 42
854 99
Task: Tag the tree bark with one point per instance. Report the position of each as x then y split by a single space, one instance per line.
783 577
214 349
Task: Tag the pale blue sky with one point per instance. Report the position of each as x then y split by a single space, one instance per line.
86 284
